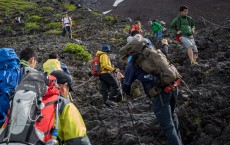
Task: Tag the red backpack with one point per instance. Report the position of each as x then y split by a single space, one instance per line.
95 66
33 109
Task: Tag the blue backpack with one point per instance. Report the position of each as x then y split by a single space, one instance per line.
9 76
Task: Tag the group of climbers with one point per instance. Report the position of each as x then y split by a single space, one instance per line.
71 127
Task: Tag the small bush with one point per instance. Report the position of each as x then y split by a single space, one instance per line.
127 28
55 32
35 19
78 50
53 25
109 18
70 7
96 14
30 26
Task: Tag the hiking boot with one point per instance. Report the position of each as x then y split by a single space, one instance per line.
110 103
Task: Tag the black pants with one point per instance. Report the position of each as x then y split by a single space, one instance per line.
67 29
109 86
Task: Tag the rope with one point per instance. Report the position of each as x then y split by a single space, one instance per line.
84 83
205 20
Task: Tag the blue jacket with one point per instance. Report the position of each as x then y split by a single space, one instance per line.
133 72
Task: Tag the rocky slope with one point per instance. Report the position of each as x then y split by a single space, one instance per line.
204 116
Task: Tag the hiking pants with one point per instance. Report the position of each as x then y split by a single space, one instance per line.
164 110
67 29
108 84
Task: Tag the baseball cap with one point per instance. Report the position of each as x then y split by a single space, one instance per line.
62 78
105 48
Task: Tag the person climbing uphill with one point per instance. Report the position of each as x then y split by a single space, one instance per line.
157 29
183 27
109 85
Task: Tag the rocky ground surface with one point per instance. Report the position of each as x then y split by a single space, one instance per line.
204 116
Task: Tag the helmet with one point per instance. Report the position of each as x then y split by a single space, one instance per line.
105 48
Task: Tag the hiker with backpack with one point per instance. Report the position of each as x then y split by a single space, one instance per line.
109 85
183 27
72 129
41 113
67 25
53 64
157 29
136 26
161 91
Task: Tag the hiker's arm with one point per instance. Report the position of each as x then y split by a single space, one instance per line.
173 26
71 22
105 63
192 25
62 22
73 126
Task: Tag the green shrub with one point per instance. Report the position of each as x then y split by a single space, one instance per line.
53 25
29 26
96 14
47 8
69 7
1 21
109 18
35 19
127 28
78 50
55 32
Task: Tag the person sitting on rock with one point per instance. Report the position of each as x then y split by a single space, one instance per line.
136 26
71 126
183 26
109 85
67 25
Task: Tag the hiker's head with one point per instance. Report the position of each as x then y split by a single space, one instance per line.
53 55
65 13
138 23
184 10
150 23
64 82
105 48
29 55
133 33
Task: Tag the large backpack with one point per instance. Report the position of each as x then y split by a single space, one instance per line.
95 66
151 60
9 77
32 114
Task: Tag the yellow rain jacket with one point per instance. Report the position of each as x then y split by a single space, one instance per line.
51 65
71 127
105 63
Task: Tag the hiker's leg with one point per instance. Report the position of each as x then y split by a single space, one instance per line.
194 49
114 88
63 32
189 46
159 35
104 86
173 101
69 31
162 110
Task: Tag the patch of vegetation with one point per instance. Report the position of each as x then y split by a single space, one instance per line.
53 25
35 19
55 32
96 14
30 26
1 21
79 51
109 18
69 7
46 8
10 6
127 28
197 121
8 28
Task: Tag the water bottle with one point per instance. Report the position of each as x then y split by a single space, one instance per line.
96 66
52 141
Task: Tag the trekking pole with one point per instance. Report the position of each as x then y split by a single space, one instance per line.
134 127
187 86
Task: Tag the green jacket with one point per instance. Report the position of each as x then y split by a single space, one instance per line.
184 24
156 26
